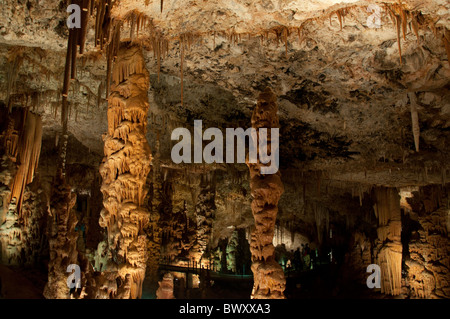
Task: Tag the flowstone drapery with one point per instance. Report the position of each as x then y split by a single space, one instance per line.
126 166
389 247
266 190
21 146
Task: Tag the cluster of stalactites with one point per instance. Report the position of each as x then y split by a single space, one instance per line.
22 142
126 166
402 17
266 190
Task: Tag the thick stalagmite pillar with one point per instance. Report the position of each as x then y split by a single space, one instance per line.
266 190
389 245
62 240
204 209
126 166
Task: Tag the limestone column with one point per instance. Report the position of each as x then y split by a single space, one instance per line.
126 166
266 190
62 239
389 245
204 208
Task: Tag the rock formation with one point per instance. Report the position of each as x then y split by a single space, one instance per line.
126 166
429 256
165 290
20 229
389 246
204 211
62 240
266 190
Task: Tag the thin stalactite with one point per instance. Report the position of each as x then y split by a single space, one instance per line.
73 64
285 37
446 40
84 24
26 150
181 67
404 22
339 14
397 24
415 26
414 119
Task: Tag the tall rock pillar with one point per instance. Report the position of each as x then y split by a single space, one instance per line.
126 166
266 190
389 245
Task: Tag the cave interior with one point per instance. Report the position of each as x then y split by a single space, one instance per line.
111 189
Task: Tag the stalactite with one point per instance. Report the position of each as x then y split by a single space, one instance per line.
158 55
300 34
100 90
414 119
446 40
15 59
285 37
181 67
269 281
404 22
126 166
67 67
84 24
132 25
28 152
339 14
73 64
321 214
397 24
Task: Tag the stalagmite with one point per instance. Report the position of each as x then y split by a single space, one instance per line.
62 240
266 190
126 166
165 290
389 246
205 208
